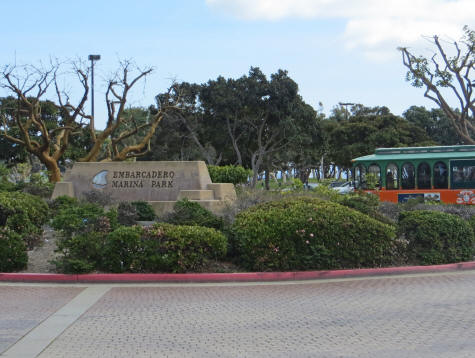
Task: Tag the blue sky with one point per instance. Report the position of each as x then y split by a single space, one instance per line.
337 51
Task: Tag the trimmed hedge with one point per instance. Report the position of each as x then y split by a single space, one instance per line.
13 256
161 248
228 174
435 237
309 233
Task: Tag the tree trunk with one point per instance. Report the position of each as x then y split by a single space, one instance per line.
267 174
54 174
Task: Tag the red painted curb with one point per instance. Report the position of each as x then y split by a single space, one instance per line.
228 277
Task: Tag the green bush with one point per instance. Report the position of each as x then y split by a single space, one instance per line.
173 248
228 174
364 203
81 253
191 213
127 213
309 233
25 214
75 219
435 237
144 211
161 248
62 202
124 250
98 197
13 255
39 186
33 208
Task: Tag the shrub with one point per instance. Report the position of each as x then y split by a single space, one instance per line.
77 218
31 207
144 211
25 214
364 203
191 213
97 197
81 253
163 247
228 174
308 233
436 238
13 255
62 202
124 250
39 186
174 248
127 213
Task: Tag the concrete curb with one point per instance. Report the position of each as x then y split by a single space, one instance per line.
228 277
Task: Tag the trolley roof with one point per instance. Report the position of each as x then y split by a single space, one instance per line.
420 153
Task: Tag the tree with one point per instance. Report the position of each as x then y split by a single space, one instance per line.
435 123
443 75
250 121
26 125
48 137
363 133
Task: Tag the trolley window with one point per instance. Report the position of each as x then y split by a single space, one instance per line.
360 177
440 176
462 173
391 177
408 177
374 181
423 176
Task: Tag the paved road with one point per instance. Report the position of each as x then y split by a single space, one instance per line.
404 316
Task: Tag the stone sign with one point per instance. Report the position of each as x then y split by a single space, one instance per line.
159 183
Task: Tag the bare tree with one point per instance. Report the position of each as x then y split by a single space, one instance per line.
124 136
444 74
25 125
121 125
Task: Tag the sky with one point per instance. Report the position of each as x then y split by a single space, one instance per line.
336 50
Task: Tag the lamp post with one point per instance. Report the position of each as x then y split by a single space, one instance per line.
346 108
93 58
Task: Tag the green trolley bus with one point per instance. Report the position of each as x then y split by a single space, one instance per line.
439 173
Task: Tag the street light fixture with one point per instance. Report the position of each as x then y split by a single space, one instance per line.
93 58
346 107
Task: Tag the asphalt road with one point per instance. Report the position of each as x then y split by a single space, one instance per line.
430 315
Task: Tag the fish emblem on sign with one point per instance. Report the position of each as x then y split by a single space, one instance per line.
100 180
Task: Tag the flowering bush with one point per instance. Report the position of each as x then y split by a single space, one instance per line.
309 233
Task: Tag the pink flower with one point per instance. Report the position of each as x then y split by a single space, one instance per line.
311 235
307 242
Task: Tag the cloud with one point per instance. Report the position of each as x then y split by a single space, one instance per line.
374 26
